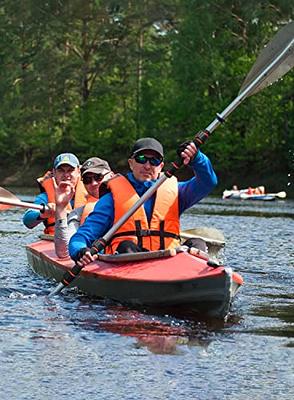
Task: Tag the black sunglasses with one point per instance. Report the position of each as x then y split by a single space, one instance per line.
87 179
141 159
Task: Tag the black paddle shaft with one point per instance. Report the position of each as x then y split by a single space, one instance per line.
70 275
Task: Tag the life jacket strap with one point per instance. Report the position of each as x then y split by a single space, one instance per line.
45 222
140 233
146 232
161 234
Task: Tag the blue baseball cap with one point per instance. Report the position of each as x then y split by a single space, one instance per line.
66 158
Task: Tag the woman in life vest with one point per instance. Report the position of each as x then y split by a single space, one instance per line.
95 172
66 168
155 225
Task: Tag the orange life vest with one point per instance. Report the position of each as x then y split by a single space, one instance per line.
91 201
88 208
46 184
164 228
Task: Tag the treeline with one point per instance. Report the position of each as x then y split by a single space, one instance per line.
91 76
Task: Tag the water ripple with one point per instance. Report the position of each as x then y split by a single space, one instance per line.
72 346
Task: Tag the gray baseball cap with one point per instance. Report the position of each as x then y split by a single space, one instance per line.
96 166
147 144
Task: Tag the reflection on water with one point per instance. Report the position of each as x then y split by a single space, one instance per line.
157 336
284 312
160 334
71 344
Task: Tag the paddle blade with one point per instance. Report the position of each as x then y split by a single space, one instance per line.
5 194
280 195
208 234
4 207
10 199
213 237
281 45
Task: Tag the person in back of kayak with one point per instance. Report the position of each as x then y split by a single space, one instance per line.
95 173
155 225
66 168
256 190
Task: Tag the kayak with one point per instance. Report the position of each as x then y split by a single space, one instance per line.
243 195
238 195
262 197
164 278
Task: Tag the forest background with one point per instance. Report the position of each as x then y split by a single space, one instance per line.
92 76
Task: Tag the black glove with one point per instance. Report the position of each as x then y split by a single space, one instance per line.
183 146
80 254
43 209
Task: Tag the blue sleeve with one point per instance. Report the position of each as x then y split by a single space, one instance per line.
96 225
195 189
31 217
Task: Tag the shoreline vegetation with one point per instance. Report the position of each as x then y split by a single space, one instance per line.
22 178
92 79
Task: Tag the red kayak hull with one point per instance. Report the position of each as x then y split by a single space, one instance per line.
179 280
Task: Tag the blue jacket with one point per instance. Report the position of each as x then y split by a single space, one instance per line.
101 219
31 218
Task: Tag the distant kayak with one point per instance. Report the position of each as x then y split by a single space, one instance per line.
244 194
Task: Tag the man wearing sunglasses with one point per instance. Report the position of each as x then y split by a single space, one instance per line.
95 173
155 225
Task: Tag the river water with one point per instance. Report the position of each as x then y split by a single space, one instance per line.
72 347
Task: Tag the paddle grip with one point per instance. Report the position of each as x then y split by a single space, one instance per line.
98 246
43 209
201 137
174 167
69 276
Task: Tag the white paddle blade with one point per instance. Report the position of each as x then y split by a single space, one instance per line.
9 198
213 237
5 194
281 50
280 195
209 235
